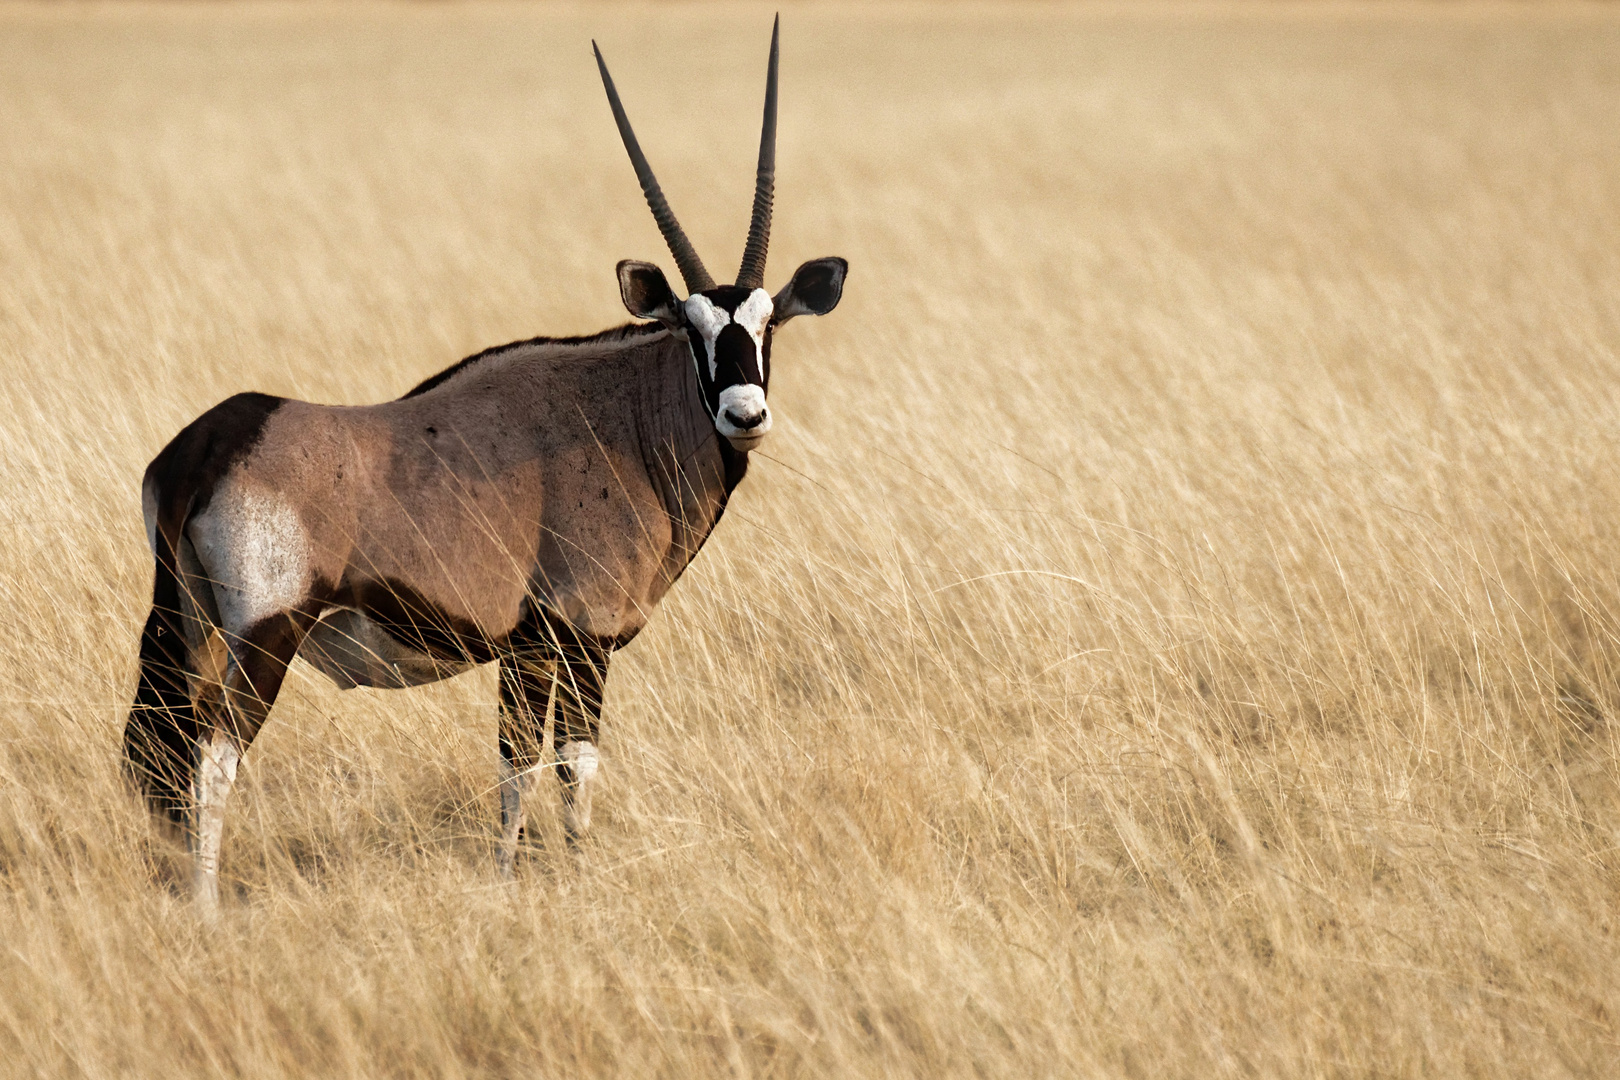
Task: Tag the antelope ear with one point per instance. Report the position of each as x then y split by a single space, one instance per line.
647 294
814 290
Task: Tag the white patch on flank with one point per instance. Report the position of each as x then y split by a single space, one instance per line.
256 553
216 773
745 401
709 320
580 755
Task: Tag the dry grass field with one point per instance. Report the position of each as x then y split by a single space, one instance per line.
1174 630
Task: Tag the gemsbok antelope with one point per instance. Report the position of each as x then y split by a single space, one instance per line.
528 506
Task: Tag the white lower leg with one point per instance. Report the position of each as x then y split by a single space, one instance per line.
515 787
216 772
580 760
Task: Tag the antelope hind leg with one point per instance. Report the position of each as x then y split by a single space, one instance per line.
526 686
231 708
218 754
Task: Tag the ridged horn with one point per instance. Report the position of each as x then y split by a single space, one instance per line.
752 273
686 257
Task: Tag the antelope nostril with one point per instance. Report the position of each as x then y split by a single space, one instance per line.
746 424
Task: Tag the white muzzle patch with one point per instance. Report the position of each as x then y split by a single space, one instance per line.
743 417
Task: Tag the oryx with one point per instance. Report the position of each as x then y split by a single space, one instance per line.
528 506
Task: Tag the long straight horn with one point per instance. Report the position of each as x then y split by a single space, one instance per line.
686 257
752 274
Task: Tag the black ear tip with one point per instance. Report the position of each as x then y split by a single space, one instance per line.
636 270
830 270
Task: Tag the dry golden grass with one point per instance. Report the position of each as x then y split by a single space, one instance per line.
1179 613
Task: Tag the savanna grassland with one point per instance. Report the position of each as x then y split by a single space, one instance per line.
1173 630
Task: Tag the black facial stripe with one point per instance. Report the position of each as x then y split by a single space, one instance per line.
727 297
736 357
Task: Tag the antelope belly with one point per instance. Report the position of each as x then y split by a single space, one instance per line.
351 650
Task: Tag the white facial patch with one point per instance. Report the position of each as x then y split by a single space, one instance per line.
753 314
709 321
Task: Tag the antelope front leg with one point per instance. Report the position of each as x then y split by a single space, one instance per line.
516 787
526 688
579 760
579 716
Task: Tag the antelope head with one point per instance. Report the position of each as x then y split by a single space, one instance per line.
727 327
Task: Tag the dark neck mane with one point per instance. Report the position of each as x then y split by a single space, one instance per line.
606 337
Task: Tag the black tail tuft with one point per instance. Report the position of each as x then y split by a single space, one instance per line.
162 727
